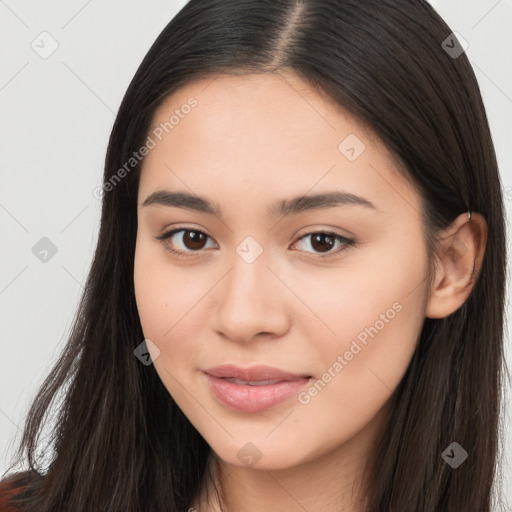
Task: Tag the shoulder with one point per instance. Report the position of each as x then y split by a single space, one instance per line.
7 492
12 486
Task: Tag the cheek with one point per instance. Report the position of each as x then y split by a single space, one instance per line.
163 293
382 287
155 292
376 310
152 296
359 369
169 309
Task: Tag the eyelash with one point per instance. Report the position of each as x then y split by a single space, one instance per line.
163 238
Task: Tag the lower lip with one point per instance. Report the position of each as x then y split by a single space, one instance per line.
248 398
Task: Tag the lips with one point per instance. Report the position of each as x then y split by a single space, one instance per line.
253 375
253 389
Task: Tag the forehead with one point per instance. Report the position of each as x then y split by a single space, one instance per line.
265 133
254 108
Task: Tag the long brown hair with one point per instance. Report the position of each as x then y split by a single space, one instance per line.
119 441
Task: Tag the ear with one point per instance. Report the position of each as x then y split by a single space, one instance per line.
458 263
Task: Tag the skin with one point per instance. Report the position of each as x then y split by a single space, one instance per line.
252 140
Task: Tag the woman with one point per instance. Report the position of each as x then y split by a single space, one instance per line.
296 302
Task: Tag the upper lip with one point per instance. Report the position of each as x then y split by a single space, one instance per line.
254 373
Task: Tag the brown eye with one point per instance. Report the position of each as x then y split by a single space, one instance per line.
194 240
184 242
322 243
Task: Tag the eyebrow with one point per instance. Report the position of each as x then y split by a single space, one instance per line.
282 208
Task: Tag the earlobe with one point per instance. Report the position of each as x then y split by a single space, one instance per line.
460 255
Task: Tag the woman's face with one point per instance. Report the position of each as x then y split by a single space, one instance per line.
265 280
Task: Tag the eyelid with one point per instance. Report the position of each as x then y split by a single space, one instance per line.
348 242
167 234
171 231
309 230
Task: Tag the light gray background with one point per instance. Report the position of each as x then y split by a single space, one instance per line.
56 117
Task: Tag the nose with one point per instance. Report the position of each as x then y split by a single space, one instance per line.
252 303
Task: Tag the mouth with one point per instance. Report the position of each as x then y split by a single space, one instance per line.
253 389
254 374
252 383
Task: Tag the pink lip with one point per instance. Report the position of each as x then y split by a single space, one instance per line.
253 398
254 373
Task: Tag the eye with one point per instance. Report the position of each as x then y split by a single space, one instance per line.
191 240
324 241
